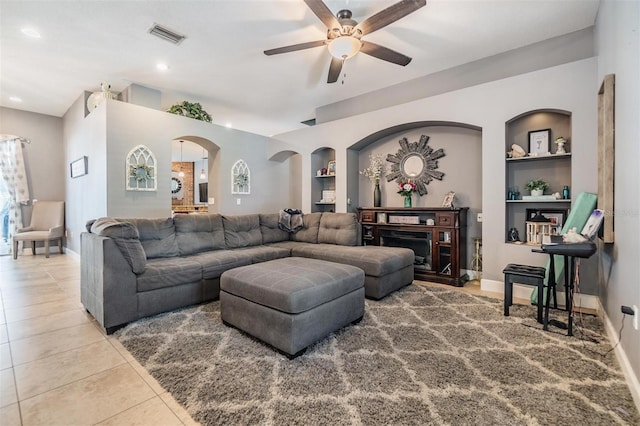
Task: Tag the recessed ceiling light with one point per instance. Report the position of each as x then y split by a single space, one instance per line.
162 67
31 32
15 99
229 125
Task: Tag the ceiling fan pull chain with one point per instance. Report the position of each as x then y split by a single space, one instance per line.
344 59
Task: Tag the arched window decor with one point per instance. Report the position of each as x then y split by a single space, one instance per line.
240 178
141 170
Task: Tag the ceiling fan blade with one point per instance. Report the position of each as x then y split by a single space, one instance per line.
323 13
384 53
294 47
389 15
334 70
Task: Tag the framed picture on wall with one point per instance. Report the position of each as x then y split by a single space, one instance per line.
79 167
331 167
448 199
539 142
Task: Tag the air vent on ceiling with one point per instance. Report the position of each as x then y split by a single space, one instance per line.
166 34
310 122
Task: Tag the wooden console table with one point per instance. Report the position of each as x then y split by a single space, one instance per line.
436 235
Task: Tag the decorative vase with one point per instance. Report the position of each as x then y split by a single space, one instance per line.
407 200
377 195
537 192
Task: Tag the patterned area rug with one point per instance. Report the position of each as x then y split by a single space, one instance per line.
424 355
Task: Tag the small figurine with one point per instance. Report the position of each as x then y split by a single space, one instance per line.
513 235
572 236
516 151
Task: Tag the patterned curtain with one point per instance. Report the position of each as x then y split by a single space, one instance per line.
14 181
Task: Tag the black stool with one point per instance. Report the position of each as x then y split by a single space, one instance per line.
529 275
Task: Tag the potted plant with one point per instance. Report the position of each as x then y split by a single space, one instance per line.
406 189
191 110
537 187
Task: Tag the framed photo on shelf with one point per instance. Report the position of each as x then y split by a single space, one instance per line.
382 217
331 167
539 143
79 167
448 199
556 216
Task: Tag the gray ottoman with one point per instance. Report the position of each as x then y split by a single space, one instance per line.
293 302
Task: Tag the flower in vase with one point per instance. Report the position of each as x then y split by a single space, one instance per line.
406 188
375 169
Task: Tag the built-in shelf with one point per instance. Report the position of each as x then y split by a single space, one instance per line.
554 168
543 157
538 201
323 158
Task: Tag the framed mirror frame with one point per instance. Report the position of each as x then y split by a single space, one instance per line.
410 154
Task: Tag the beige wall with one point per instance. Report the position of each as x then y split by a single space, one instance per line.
488 106
617 45
44 156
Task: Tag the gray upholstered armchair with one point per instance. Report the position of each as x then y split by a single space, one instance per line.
47 224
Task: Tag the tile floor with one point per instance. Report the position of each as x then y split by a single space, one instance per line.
56 366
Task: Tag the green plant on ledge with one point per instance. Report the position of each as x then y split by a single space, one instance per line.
536 184
191 110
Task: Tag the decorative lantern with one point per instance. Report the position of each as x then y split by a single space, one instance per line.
538 230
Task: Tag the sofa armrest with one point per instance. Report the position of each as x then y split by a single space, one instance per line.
25 229
108 288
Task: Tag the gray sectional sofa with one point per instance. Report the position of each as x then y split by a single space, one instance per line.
133 268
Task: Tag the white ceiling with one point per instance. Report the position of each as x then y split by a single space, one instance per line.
221 63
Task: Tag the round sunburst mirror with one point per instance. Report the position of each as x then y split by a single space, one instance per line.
415 161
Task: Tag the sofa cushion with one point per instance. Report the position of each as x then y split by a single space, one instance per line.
214 263
309 232
263 253
196 233
271 233
158 236
373 260
242 230
161 273
125 236
338 228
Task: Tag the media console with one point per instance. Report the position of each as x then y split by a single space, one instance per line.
436 235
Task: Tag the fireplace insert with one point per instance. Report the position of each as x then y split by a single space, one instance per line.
418 241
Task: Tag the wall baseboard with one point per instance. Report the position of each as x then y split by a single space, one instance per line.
524 292
625 365
52 250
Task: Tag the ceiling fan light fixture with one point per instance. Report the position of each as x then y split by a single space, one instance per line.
344 47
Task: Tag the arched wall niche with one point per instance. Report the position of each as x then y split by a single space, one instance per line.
295 175
323 179
380 134
536 111
212 151
462 166
554 169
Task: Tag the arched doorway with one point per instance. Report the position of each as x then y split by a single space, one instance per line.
194 175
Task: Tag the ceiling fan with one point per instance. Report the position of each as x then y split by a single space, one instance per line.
344 34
